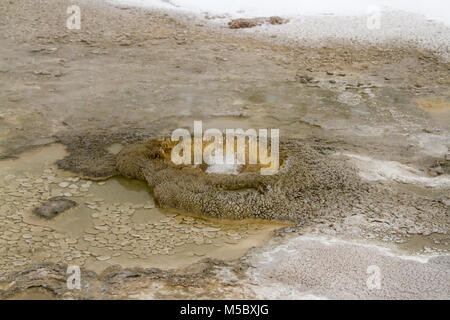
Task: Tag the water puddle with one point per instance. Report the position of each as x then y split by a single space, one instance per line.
434 243
31 161
115 222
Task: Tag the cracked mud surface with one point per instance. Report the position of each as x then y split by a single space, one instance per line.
375 120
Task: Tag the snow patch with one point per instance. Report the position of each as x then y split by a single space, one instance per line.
431 9
378 170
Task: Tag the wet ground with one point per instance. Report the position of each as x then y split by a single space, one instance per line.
82 95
